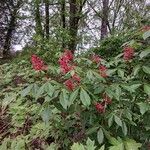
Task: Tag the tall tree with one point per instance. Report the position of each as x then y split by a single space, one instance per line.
13 8
76 7
104 31
63 18
47 18
38 28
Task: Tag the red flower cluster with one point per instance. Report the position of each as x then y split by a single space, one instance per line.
65 61
72 82
145 28
96 58
38 63
128 53
103 71
100 107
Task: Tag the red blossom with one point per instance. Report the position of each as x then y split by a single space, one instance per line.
128 53
145 28
100 107
68 54
38 63
96 58
69 84
65 61
76 78
103 71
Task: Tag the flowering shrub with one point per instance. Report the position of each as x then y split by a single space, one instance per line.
105 101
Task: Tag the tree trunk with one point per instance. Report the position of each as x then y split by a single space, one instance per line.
38 27
63 19
11 28
104 31
73 25
75 15
47 18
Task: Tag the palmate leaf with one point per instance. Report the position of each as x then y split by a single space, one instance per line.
90 145
127 144
77 146
130 144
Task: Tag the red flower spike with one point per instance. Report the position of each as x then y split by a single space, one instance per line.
96 58
100 108
145 28
68 54
103 71
65 60
128 53
76 78
69 84
38 63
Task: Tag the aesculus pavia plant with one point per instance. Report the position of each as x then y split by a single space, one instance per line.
104 101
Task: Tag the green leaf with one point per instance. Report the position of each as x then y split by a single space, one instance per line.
85 98
64 99
111 71
49 89
121 73
118 121
144 107
120 146
124 128
132 145
90 144
147 89
146 34
46 114
90 75
73 96
131 88
110 121
91 130
40 91
136 70
100 136
117 92
77 146
146 69
27 90
144 53
102 147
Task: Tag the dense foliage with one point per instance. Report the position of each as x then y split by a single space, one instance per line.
82 103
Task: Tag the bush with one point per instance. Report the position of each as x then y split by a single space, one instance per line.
82 101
